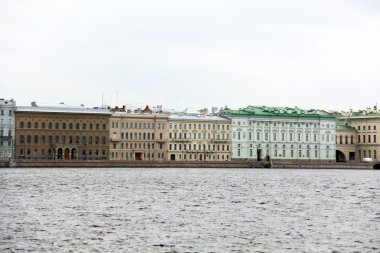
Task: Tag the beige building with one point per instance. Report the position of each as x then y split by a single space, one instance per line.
367 125
346 143
61 132
138 136
193 137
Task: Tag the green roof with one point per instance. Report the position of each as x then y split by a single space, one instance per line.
345 128
266 111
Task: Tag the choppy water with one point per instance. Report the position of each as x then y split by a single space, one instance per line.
189 210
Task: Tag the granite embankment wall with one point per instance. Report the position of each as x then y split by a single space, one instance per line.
124 164
321 165
178 164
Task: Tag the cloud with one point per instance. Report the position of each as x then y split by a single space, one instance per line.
191 53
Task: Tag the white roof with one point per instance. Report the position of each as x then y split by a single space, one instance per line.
63 109
138 114
198 118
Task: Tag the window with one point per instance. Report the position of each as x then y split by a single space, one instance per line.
275 138
77 126
340 139
283 136
21 124
374 139
359 128
266 136
369 138
363 138
307 137
359 138
299 137
352 139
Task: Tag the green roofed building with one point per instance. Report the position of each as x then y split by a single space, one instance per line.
282 133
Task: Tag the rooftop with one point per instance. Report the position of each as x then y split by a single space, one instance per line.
63 109
345 128
198 117
279 112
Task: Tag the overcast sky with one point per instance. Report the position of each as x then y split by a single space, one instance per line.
191 53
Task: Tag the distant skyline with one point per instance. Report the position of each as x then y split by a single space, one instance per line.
311 54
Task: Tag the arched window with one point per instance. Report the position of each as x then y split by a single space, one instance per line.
90 140
43 126
122 135
77 139
346 139
57 125
103 140
22 124
84 140
70 126
84 126
340 139
29 125
91 126
36 139
63 125
50 125
77 126
97 140
22 139
28 139
352 139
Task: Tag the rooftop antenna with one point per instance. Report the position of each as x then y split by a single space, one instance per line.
102 100
117 97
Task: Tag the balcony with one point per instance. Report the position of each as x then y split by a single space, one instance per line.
115 139
180 140
220 141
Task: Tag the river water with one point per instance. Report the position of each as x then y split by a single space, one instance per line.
189 210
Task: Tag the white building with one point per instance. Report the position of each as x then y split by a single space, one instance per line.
282 133
7 128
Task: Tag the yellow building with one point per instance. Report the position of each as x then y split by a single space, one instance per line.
367 125
61 132
346 143
194 137
138 136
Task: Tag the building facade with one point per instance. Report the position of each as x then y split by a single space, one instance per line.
62 132
7 128
346 143
367 124
194 137
260 132
138 136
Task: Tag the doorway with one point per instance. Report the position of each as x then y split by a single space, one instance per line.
138 156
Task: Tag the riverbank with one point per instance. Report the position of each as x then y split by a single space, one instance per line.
181 164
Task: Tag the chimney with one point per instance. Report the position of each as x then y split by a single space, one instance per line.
34 104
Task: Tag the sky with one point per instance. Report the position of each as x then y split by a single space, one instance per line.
321 54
